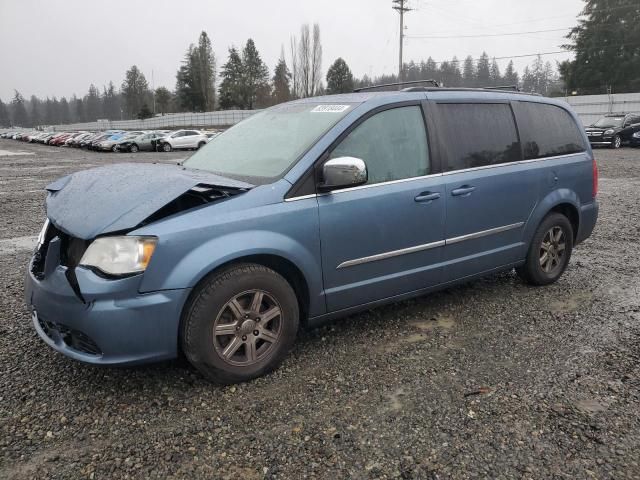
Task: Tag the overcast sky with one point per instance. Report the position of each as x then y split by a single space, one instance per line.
60 47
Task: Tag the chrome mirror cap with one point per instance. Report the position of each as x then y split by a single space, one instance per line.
343 172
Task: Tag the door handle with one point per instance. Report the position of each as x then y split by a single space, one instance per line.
427 197
463 190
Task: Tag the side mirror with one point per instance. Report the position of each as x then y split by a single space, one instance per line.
343 172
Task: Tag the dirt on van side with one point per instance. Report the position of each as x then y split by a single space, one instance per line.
493 379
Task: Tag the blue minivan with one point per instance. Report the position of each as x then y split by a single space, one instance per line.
305 212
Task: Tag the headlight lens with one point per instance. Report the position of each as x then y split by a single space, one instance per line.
608 132
120 255
636 135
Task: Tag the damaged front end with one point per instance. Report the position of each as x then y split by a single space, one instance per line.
93 314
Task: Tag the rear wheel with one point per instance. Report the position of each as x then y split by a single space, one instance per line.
240 323
166 147
549 252
114 149
133 148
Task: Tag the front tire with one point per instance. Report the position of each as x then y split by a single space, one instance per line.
114 149
240 323
133 148
549 251
616 142
200 145
166 147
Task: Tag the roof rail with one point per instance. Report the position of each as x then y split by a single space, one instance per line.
503 87
397 84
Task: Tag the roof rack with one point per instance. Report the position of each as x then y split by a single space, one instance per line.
503 87
397 84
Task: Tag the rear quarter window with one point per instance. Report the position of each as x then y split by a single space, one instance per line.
547 130
477 135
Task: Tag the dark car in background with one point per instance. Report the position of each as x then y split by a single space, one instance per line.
614 130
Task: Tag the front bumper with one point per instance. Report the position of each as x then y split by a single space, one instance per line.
115 325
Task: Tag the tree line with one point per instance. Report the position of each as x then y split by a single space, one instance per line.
246 82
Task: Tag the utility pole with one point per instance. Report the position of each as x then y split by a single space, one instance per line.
401 7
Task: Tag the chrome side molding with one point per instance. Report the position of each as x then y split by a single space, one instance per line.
428 246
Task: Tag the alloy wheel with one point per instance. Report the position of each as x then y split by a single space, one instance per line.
552 250
247 328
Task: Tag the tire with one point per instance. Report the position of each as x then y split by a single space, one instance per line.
166 147
200 145
243 348
617 142
134 148
538 269
114 149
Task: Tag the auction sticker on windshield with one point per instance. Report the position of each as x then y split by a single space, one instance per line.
330 109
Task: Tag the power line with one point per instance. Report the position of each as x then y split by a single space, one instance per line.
490 34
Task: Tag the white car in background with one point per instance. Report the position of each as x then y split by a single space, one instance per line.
182 139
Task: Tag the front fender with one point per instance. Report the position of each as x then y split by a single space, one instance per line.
552 200
197 263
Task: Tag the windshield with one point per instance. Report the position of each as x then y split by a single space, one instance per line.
608 122
264 146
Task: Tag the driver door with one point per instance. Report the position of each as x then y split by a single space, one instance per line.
386 237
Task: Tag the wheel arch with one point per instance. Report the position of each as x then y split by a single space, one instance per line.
564 201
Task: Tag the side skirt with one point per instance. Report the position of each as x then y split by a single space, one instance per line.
328 317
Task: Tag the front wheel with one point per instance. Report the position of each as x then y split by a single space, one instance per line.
616 142
114 149
133 148
240 323
549 252
200 145
166 147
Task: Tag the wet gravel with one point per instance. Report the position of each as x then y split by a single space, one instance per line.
493 379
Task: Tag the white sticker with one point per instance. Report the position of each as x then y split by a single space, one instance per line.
330 108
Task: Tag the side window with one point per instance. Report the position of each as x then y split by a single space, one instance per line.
393 144
477 134
547 130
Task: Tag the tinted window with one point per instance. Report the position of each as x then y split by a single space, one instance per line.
477 134
393 144
547 130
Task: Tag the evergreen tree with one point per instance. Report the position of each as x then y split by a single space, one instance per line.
281 82
195 79
255 79
510 75
144 112
49 112
483 71
64 115
163 99
93 104
231 87
77 107
5 119
528 80
339 78
37 111
19 111
111 102
495 79
186 90
606 43
469 73
135 90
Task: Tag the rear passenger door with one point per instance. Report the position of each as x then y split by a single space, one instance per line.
488 196
386 237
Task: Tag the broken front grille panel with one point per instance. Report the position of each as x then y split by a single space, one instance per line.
71 251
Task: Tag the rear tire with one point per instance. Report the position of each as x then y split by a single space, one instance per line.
240 323
114 149
133 148
200 145
549 251
166 147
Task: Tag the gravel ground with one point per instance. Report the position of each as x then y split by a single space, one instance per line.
493 379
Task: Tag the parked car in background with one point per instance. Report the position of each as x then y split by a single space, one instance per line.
182 140
141 142
305 212
615 130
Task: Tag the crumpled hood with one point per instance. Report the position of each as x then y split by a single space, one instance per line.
119 197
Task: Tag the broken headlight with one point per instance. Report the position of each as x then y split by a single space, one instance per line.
120 255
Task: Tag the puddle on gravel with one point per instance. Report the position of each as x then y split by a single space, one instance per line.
571 303
591 405
16 244
444 322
